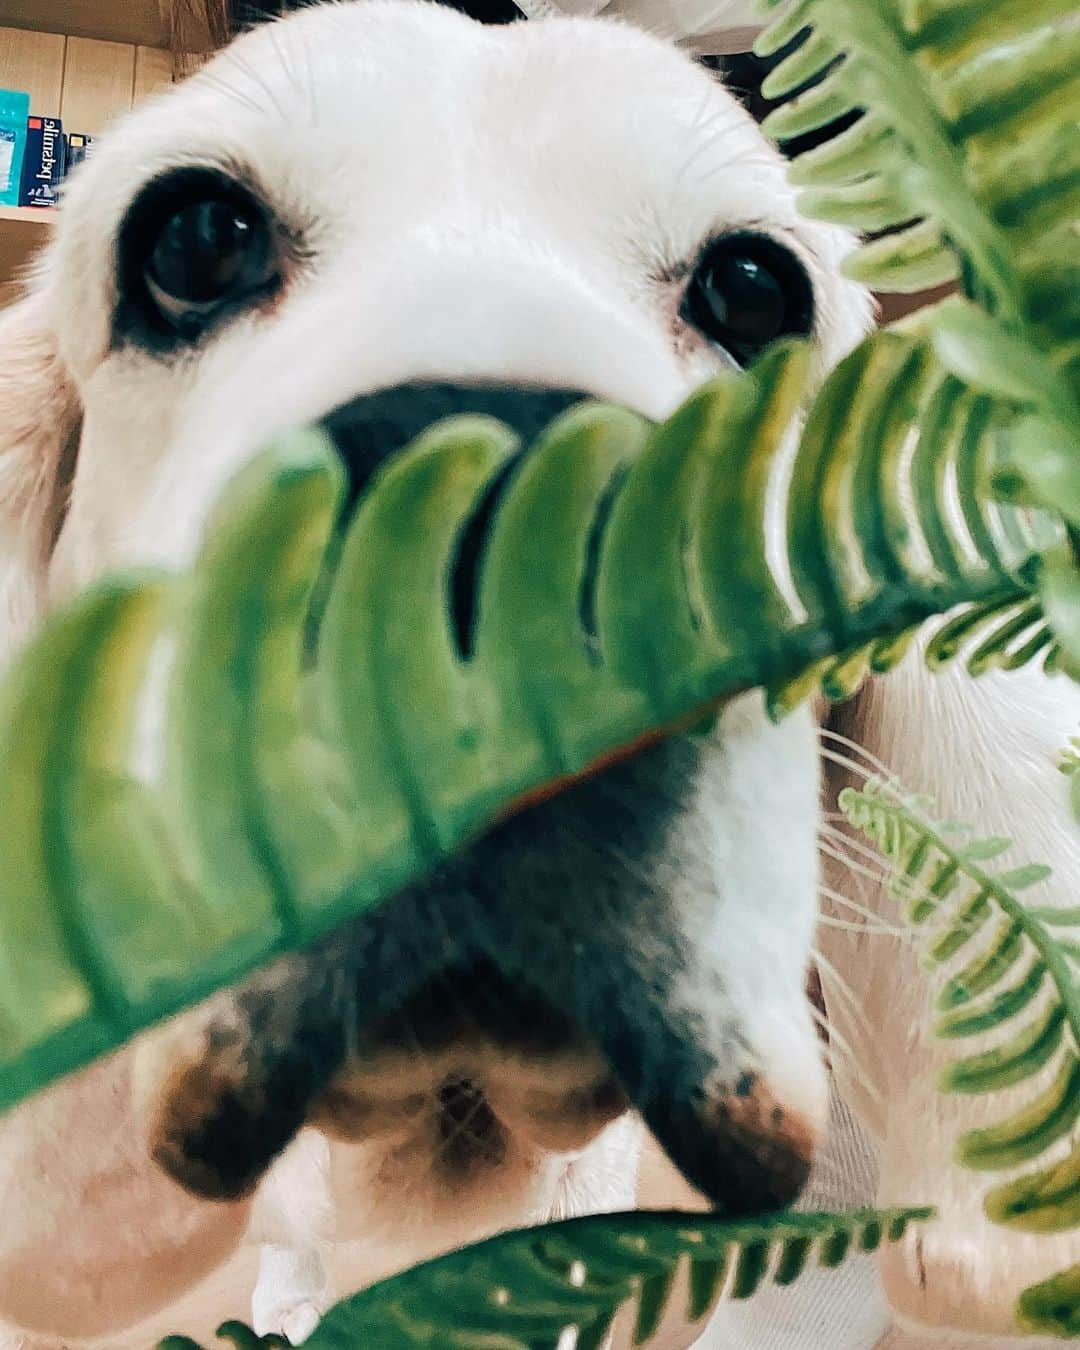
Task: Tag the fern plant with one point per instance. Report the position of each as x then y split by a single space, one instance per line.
1011 971
528 1288
295 793
965 164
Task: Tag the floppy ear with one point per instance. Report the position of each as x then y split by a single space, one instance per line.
39 424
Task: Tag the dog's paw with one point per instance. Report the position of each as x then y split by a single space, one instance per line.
291 1294
296 1324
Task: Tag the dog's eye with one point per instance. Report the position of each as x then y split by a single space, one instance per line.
194 247
207 254
746 291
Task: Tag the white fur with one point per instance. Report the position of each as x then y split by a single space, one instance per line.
493 204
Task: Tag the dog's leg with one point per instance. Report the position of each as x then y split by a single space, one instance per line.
985 750
293 1222
291 1294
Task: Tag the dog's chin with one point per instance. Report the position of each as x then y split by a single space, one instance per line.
468 1067
474 1143
469 1111
473 1106
474 1092
473 1085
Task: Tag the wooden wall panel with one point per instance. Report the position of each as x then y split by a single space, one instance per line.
118 20
99 79
153 71
33 63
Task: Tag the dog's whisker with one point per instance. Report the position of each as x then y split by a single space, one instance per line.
702 116
864 911
833 849
838 1049
854 748
261 83
214 80
851 1001
857 926
735 161
841 835
858 770
861 865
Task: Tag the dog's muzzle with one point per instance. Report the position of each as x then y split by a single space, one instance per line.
548 936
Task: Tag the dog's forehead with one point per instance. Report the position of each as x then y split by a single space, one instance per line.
371 123
379 103
371 61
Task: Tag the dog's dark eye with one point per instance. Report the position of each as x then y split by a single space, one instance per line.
195 247
746 291
207 254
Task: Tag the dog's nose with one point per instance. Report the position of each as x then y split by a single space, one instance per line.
371 428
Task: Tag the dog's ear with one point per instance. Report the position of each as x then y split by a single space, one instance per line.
40 418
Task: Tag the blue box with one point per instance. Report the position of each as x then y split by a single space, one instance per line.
14 112
44 162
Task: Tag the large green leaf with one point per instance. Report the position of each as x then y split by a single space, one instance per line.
963 164
525 1289
967 148
627 583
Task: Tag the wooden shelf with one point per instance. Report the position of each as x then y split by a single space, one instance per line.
23 230
33 217
137 22
86 81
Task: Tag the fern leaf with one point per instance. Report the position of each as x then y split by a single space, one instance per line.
523 1290
945 92
970 918
1037 1014
992 1013
1052 1307
942 97
298 790
1010 1061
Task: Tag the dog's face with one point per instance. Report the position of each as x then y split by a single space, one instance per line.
373 214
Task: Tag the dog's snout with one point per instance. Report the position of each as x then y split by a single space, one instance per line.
371 428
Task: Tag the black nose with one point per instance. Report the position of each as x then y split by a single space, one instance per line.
371 428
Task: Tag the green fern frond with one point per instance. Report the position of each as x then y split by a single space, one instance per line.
1012 973
523 1290
965 161
968 143
296 791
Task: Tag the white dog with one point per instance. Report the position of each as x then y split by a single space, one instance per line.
373 214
